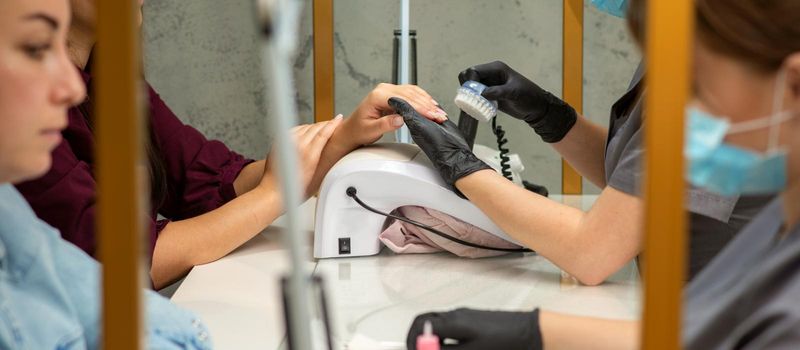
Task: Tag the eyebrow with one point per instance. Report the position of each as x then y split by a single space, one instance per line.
43 17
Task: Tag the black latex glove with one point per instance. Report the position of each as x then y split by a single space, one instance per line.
521 98
443 144
479 330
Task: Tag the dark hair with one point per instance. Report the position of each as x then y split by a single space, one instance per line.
156 168
760 33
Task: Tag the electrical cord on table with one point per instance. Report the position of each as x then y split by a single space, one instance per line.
352 193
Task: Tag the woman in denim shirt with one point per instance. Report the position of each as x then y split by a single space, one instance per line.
50 289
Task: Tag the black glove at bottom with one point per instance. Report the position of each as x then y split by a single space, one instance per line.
443 144
480 330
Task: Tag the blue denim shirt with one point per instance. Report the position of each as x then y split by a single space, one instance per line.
50 291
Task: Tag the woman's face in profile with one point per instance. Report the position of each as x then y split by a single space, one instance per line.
38 84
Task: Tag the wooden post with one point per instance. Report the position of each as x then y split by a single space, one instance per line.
120 207
323 60
571 181
669 41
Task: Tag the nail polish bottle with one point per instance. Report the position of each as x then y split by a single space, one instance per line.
427 340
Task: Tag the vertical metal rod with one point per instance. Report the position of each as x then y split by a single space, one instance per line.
403 134
119 184
670 26
571 181
278 73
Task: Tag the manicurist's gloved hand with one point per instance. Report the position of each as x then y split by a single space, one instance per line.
443 143
521 98
480 330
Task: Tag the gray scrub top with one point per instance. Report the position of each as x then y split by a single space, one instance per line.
749 296
714 219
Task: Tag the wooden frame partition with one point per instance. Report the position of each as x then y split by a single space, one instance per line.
323 60
670 25
120 206
572 80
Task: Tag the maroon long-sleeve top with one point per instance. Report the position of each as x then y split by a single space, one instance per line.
199 175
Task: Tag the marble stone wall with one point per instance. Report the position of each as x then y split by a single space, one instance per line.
203 57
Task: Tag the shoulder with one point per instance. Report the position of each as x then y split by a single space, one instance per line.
25 238
164 122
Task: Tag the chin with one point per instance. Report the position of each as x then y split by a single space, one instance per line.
34 169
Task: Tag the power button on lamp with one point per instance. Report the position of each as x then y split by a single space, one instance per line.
344 245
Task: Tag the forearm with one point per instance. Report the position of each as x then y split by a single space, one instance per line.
584 149
336 148
208 237
561 331
588 245
249 177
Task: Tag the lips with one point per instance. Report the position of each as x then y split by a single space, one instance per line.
53 136
53 133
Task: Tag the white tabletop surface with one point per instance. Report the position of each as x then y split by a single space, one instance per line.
377 297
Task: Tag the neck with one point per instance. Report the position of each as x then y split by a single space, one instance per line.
81 41
6 178
791 206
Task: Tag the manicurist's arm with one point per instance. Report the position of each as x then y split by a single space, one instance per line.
589 245
581 142
584 149
528 330
560 331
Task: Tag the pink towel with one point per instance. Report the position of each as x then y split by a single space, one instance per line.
404 238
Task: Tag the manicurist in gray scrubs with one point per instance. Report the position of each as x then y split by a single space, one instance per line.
714 218
591 245
743 139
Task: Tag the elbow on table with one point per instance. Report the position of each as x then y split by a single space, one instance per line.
591 273
591 279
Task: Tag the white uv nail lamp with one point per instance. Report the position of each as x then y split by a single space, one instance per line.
383 176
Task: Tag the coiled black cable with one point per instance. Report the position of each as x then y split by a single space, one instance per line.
353 193
505 160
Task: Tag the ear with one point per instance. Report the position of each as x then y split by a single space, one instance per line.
793 79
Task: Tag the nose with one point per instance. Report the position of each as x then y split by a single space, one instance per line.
70 89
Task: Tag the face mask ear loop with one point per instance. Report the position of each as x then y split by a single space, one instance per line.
777 109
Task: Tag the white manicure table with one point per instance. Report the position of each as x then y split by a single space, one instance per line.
377 297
